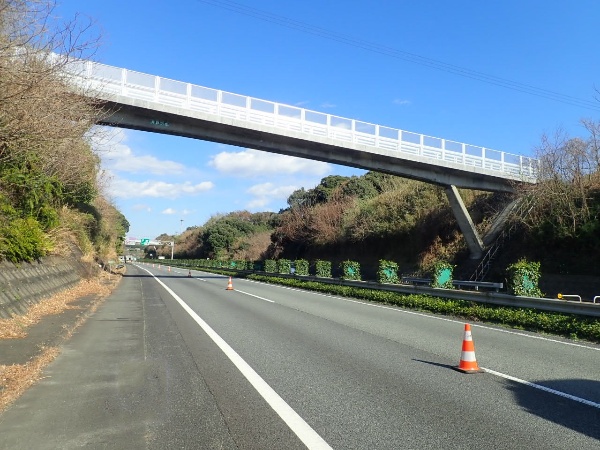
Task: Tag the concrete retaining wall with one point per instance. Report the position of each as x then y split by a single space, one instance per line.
25 284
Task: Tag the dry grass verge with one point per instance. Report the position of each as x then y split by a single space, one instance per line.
16 327
16 378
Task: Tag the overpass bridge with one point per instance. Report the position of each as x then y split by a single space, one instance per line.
145 102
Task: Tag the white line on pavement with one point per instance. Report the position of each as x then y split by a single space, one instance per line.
256 296
543 388
305 433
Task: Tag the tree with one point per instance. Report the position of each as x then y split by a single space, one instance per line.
46 160
567 193
565 202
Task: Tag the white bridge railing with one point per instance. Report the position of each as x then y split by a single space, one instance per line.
114 80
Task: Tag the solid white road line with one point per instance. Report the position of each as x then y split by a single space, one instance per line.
255 296
543 388
305 433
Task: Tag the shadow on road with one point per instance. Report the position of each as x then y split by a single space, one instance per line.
579 417
582 418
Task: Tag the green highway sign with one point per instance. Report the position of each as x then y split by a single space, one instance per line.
144 241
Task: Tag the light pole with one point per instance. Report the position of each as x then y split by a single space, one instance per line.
180 233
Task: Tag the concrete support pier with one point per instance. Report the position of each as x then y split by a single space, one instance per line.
465 223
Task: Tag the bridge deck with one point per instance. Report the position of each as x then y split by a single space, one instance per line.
135 90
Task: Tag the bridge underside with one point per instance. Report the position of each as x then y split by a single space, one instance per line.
145 116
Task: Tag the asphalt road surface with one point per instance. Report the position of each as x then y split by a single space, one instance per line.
177 362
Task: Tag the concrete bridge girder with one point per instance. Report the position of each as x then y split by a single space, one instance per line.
145 116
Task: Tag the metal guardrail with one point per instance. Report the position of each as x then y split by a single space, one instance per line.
570 297
479 284
136 85
457 283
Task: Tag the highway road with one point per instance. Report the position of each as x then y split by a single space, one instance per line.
171 361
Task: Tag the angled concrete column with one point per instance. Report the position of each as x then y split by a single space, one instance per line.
465 223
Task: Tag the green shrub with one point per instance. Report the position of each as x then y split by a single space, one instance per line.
270 266
323 268
284 266
442 275
351 270
388 272
23 240
48 217
523 278
302 267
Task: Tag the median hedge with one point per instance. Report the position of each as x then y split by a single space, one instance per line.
572 326
569 325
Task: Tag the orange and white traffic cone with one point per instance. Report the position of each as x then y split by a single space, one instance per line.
468 362
229 285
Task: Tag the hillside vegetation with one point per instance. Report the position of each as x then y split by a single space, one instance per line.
50 195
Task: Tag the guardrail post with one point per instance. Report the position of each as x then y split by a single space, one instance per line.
521 172
219 101
188 95
123 81
156 88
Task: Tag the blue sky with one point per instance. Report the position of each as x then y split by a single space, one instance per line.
344 58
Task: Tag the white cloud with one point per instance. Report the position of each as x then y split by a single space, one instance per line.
141 207
169 211
265 193
328 105
401 102
121 188
117 156
253 162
